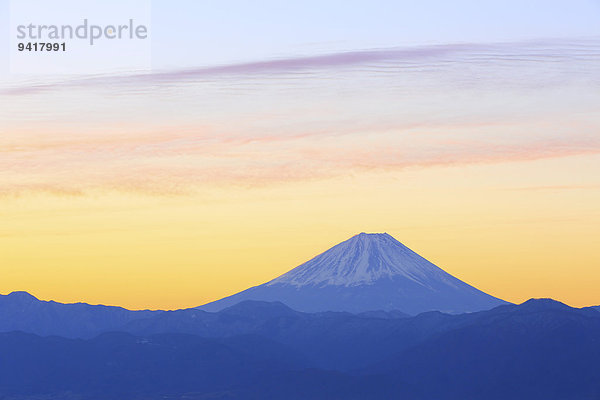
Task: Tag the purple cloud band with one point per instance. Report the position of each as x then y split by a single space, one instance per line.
468 52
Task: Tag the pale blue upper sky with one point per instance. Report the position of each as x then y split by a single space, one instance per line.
200 32
194 33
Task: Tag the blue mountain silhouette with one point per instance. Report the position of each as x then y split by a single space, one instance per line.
541 349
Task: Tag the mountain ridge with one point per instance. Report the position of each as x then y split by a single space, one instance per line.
21 311
540 349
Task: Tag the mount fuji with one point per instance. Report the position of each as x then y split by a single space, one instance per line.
367 272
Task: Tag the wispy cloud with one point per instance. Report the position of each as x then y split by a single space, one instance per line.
302 118
414 57
555 188
185 165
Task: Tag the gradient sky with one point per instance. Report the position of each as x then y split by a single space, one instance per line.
266 134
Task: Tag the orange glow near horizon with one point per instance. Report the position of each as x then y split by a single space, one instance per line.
504 236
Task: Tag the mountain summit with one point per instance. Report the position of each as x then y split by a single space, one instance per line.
362 260
364 273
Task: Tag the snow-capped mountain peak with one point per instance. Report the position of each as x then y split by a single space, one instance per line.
362 259
365 273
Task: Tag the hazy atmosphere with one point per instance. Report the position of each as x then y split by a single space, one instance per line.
473 140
